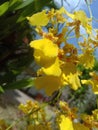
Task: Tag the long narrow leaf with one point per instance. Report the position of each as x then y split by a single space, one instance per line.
14 4
29 82
4 8
1 89
24 4
28 11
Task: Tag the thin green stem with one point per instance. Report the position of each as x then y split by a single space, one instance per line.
15 122
25 116
20 119
97 101
69 32
88 5
62 4
70 37
76 6
95 19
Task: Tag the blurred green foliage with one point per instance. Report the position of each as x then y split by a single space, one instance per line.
96 65
15 35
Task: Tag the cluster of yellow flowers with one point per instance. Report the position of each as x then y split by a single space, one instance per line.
36 116
59 63
66 118
57 58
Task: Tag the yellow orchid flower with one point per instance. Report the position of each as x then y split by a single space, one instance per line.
48 83
84 20
39 19
65 123
74 81
93 82
87 59
54 69
71 75
27 108
59 15
70 54
3 124
45 51
81 16
61 10
39 127
79 126
68 68
95 86
95 114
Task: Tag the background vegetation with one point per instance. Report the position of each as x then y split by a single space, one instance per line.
15 35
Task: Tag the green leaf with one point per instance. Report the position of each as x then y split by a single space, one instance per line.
24 4
28 11
4 8
32 8
29 82
1 89
13 4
